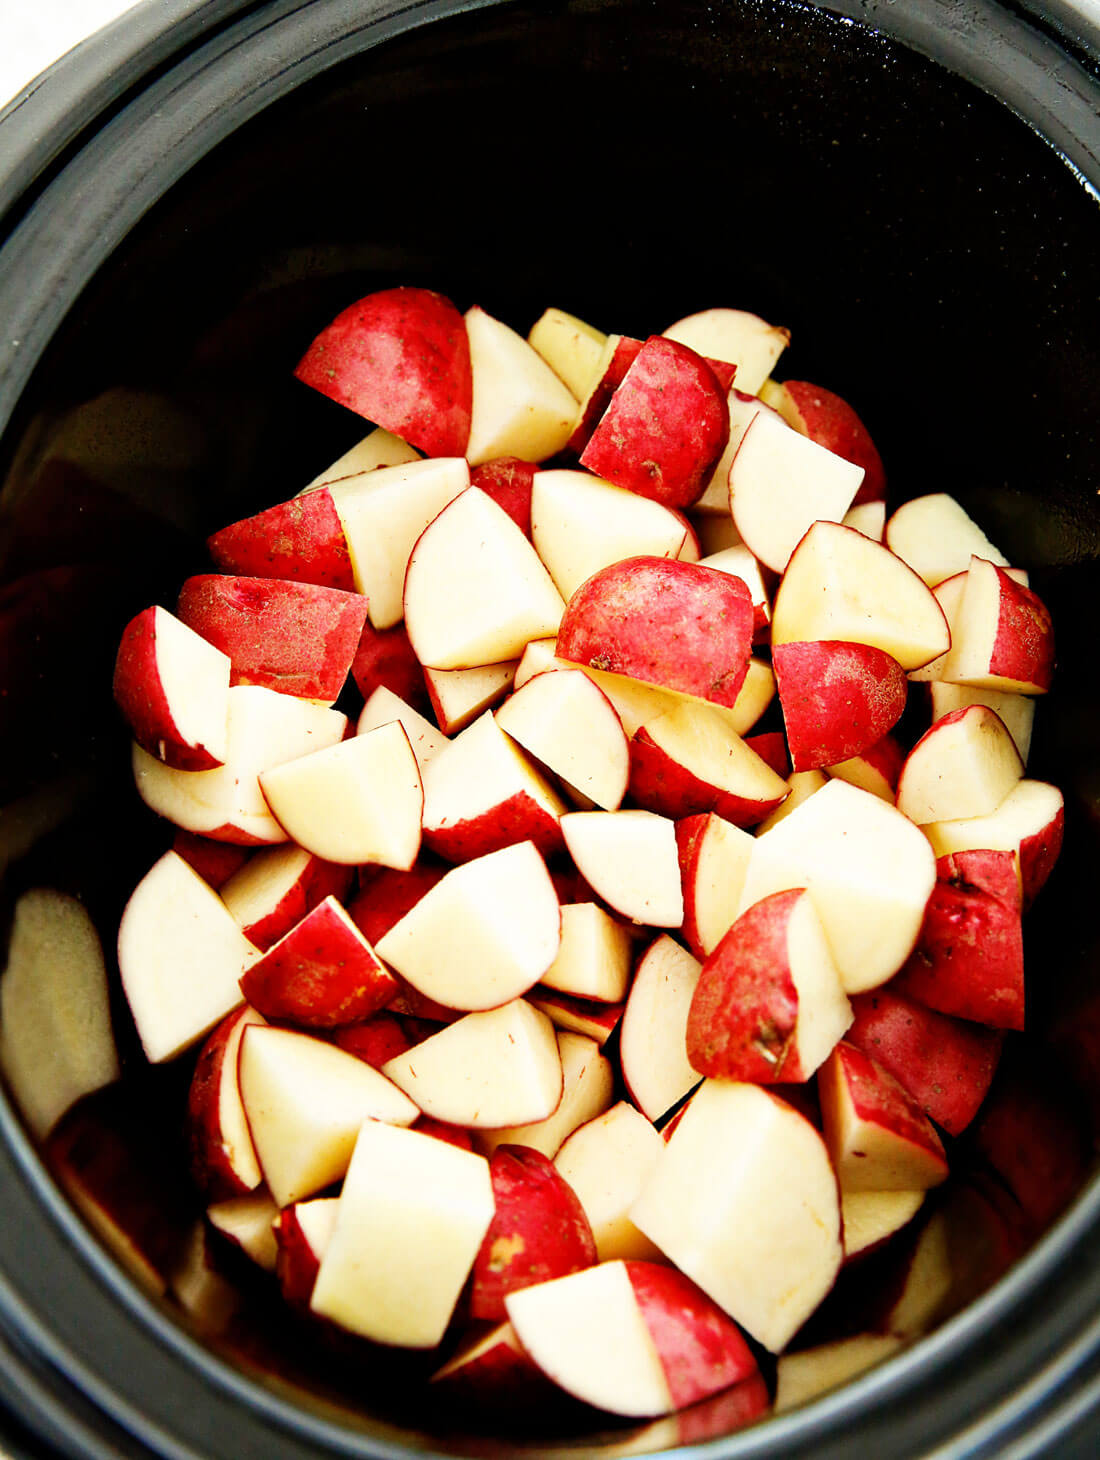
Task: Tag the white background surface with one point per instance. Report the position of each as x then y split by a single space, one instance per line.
33 33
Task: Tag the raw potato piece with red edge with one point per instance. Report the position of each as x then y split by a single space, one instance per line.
1003 637
302 539
740 563
768 1007
688 761
245 1222
630 860
181 957
482 793
475 590
937 538
946 1064
829 420
566 721
964 766
483 935
714 858
616 357
292 637
607 1161
223 1158
1016 711
359 801
652 1049
491 1369
572 348
539 1231
277 887
632 1338
383 706
378 447
383 514
594 958
869 871
412 1216
509 481
302 1232
675 625
520 407
305 1101
580 524
56 1040
780 483
744 1200
838 698
736 335
743 409
877 1135
322 974
459 696
173 688
401 358
226 804
875 769
490 1069
969 960
841 585
1029 822
385 658
588 1080
664 428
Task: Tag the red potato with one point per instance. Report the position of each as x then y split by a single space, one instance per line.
739 562
688 761
459 696
572 348
1003 637
302 1232
223 1158
1029 822
493 1371
1017 712
652 1051
277 887
829 420
868 518
801 785
616 357
390 893
838 698
215 862
401 358
244 1223
385 658
871 1217
714 857
877 1135
780 483
520 407
675 625
539 1230
594 957
606 1161
377 448
875 769
963 767
630 860
321 974
665 426
715 500
568 724
384 706
749 342
482 793
376 1040
769 1006
969 959
506 906
292 637
587 1091
572 1015
937 538
301 540
172 686
771 747
945 1064
508 481
811 1372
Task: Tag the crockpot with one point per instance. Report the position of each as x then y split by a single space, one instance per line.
910 186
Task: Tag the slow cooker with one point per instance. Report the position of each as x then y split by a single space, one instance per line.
909 185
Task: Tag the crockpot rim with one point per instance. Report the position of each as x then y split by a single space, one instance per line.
191 31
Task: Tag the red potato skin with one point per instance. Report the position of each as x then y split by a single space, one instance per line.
580 1016
539 1231
969 958
300 540
454 1135
508 480
622 357
702 1351
319 880
1023 644
503 1379
745 1006
292 637
691 834
830 421
296 1263
211 1169
771 747
680 626
659 783
877 1099
380 1038
518 819
1038 854
837 698
664 428
139 695
723 1413
385 657
945 1064
400 358
884 760
321 975
215 862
